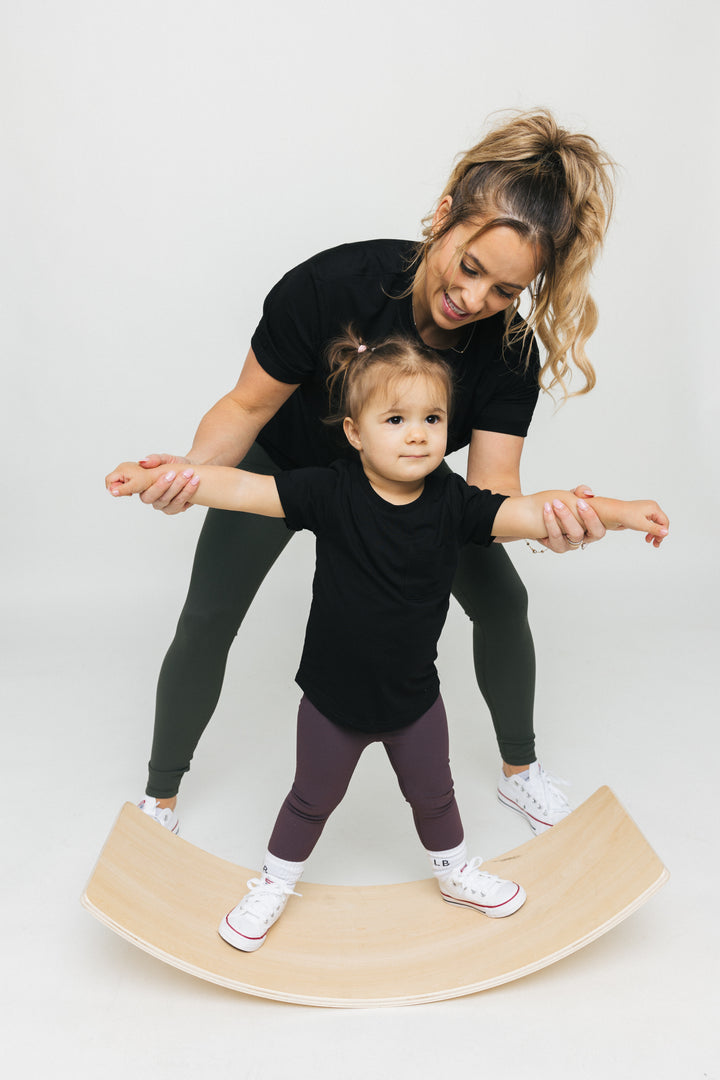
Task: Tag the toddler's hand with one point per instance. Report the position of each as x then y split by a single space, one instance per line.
129 479
646 516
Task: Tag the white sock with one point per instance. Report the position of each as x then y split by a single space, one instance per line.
522 776
444 862
282 869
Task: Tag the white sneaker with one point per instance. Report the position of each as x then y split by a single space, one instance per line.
471 887
537 798
246 926
165 816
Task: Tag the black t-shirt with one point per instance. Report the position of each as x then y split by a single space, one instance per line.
381 589
363 284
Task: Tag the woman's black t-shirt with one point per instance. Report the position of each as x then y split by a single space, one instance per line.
381 589
363 284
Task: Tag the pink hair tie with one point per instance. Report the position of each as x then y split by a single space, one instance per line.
362 348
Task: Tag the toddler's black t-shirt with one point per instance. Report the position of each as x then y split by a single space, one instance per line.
381 588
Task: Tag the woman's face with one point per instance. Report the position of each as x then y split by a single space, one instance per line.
469 279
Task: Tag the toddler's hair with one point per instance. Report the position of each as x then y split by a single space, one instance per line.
358 370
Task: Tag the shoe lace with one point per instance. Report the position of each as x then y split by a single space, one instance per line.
162 814
265 897
476 880
150 807
543 788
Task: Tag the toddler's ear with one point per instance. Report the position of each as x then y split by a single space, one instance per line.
351 433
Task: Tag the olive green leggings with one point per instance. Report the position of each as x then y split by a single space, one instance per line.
235 552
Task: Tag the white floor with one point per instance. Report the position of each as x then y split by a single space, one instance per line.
624 698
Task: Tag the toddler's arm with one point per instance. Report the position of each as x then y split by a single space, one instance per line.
221 487
522 516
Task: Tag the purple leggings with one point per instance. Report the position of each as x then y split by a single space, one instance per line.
326 758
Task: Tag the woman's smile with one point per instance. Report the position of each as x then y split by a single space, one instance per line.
452 310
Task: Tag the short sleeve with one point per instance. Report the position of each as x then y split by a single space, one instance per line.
288 341
510 407
307 496
477 510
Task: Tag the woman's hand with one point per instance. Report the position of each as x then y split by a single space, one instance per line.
168 492
565 531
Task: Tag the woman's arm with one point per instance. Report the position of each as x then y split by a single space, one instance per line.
224 436
525 516
494 464
206 485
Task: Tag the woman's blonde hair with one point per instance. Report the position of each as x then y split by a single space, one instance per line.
555 189
358 370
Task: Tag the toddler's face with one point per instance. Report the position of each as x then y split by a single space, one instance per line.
401 433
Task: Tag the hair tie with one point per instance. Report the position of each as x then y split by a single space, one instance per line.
361 348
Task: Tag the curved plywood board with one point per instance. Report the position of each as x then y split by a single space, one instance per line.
348 946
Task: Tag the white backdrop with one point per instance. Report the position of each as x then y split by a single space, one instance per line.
164 162
167 162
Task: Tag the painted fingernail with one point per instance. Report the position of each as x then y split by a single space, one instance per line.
547 508
582 505
169 476
195 481
188 473
557 504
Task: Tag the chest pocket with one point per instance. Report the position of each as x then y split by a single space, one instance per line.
429 571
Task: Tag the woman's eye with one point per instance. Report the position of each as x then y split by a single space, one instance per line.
505 295
468 270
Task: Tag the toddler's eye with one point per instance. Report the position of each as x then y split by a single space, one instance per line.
395 420
433 419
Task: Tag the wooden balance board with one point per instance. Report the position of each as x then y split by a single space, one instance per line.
379 945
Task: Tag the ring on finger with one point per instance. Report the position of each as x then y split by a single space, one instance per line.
574 543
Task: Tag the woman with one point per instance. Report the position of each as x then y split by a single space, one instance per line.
525 209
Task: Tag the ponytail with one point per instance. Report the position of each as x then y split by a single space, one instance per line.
555 188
